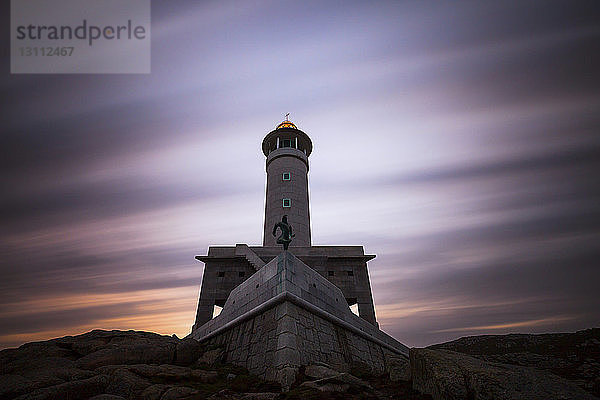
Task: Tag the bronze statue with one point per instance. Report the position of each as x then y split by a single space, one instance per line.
286 232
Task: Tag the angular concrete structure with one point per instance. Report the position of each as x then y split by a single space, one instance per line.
287 315
227 267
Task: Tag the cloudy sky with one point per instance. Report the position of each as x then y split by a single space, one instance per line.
457 141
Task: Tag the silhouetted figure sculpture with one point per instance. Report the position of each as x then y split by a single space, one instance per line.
286 232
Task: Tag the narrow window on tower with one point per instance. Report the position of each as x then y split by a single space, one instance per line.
287 176
287 143
287 203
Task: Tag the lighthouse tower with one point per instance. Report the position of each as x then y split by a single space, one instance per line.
287 149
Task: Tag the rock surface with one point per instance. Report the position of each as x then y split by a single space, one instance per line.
319 371
573 356
211 356
449 375
118 365
399 368
333 381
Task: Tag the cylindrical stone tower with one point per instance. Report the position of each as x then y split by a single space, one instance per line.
287 149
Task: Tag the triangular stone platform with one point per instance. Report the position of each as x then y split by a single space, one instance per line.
287 315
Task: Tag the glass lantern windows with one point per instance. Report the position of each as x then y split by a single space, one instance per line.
293 143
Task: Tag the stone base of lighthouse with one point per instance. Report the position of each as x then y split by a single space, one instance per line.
287 315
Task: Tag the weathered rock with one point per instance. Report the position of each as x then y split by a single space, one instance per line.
82 389
165 371
107 397
204 376
398 368
98 348
259 396
140 353
433 374
345 377
595 385
13 385
286 377
541 361
573 356
211 357
26 361
319 371
227 394
339 382
154 392
326 387
123 382
37 369
581 344
85 344
178 392
54 370
449 375
224 394
15 360
187 352
96 340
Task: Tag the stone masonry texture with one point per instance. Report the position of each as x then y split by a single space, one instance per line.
287 315
344 266
296 189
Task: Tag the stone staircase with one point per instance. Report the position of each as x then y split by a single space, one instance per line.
254 260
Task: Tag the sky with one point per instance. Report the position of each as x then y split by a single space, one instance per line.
457 141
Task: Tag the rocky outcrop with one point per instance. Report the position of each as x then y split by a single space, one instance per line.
325 379
398 368
448 375
338 382
211 356
573 356
118 365
115 365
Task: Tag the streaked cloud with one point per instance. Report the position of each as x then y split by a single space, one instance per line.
522 324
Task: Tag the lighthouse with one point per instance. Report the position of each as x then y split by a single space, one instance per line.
287 149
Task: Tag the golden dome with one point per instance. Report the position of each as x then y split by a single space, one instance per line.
286 124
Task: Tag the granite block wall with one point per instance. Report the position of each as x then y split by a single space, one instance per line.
287 315
344 266
275 343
